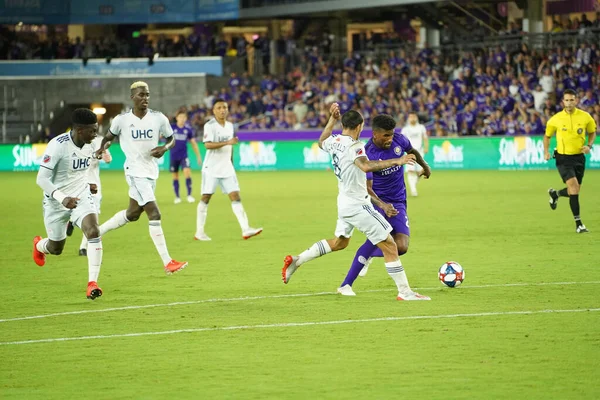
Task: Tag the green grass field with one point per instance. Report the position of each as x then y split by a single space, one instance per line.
525 323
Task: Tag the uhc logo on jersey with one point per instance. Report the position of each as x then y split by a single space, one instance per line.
359 152
141 134
81 163
46 158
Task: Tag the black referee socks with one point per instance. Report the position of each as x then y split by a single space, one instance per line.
574 202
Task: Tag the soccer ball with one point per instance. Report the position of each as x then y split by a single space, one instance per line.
451 274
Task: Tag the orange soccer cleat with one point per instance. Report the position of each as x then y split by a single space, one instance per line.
38 257
93 290
175 266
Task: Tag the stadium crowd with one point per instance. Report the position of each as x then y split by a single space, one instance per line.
490 92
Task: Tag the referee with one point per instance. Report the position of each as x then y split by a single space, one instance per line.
570 126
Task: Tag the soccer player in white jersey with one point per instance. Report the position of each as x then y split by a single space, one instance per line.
417 134
95 187
63 176
217 170
139 131
350 165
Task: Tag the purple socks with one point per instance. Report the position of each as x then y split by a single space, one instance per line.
360 259
176 187
188 183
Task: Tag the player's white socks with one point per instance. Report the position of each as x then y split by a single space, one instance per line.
396 272
41 246
316 250
117 221
84 242
240 214
201 213
94 256
160 243
412 182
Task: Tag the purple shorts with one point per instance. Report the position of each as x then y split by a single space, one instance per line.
179 163
399 223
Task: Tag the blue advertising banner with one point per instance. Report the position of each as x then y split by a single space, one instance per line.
119 67
116 11
217 10
34 11
131 11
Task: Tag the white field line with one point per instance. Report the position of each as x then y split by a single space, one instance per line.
281 296
297 324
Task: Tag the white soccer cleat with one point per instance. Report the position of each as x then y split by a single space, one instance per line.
346 290
289 267
363 272
177 200
582 229
203 237
190 199
251 232
412 296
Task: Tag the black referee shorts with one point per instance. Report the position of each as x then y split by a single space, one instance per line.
570 166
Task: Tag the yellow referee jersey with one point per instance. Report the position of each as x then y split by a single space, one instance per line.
570 130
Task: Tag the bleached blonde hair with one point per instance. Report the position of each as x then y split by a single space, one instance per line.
138 84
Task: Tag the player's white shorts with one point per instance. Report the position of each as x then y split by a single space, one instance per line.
227 185
141 189
97 201
368 221
56 216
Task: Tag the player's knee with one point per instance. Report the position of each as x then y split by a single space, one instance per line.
132 217
339 245
92 232
205 198
154 215
402 248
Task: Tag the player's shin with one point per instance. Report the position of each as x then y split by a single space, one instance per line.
360 259
574 203
176 187
156 233
316 250
188 184
202 212
396 272
412 178
84 242
240 214
117 221
94 254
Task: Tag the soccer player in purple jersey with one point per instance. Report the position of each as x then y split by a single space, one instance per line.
183 134
388 193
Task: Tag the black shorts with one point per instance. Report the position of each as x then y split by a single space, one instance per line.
570 166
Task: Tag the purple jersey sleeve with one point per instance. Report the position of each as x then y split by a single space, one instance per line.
404 143
369 176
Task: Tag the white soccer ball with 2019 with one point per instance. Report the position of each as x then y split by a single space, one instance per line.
451 274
